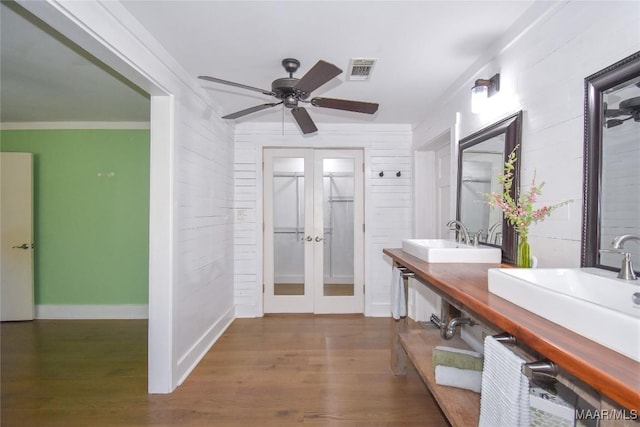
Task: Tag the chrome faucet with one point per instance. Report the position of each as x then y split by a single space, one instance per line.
618 242
491 233
462 230
617 246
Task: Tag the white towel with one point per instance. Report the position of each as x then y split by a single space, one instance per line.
398 303
461 378
504 400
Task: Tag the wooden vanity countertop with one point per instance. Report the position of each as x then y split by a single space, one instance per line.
612 374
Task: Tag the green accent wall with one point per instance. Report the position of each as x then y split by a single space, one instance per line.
91 214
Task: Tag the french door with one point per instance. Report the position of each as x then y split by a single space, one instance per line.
313 231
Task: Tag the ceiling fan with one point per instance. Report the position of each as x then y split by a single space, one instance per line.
629 107
291 91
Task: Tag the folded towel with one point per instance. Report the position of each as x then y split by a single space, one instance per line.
460 378
398 302
456 358
505 390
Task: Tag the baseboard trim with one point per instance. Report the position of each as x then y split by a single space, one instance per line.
378 310
192 357
248 311
68 311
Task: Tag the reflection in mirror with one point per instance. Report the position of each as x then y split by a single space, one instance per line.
481 157
612 159
481 164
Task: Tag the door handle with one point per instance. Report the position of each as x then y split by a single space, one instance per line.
309 238
22 246
319 239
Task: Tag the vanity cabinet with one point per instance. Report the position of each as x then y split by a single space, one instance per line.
603 377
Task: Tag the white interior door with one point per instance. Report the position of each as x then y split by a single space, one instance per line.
16 219
288 229
338 231
313 231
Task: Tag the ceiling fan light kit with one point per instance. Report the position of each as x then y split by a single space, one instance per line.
291 91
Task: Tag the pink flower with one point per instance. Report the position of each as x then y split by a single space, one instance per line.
519 212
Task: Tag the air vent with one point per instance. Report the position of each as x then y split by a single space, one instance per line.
360 68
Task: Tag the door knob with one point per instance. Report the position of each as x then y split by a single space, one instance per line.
309 238
319 239
22 246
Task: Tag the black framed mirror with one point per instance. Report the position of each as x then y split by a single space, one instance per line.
611 190
481 157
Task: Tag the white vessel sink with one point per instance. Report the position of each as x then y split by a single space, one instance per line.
589 301
441 250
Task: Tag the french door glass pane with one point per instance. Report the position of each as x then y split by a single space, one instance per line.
288 226
338 189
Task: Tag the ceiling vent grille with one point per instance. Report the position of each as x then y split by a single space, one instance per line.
360 68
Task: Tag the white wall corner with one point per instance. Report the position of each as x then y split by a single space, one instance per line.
192 357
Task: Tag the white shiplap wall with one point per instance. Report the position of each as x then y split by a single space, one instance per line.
542 68
388 201
203 244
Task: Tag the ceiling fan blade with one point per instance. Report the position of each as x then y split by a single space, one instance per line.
304 120
318 75
345 104
616 112
251 110
226 82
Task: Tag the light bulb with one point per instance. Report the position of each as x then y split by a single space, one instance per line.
479 98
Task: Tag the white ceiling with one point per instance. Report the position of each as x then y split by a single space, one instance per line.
422 47
46 78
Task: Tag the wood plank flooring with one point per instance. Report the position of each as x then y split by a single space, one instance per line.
283 370
330 289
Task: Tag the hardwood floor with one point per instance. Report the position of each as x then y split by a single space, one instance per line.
272 371
329 289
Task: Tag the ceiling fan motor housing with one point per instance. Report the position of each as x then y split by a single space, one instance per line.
284 89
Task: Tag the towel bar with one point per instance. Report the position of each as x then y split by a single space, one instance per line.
406 272
505 338
541 370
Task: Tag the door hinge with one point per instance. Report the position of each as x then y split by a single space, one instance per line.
263 288
363 228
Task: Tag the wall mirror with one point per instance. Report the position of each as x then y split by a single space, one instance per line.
611 158
481 157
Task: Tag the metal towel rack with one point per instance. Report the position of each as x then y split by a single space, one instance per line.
540 371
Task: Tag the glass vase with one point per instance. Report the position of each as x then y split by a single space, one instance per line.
523 259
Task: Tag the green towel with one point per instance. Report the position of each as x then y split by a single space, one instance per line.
456 358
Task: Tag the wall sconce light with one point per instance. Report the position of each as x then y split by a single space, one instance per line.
482 90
